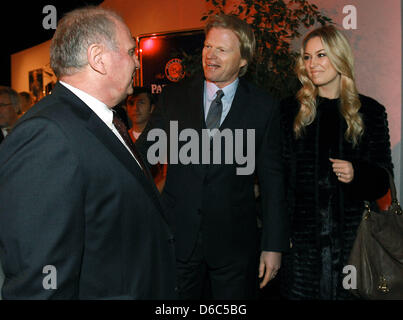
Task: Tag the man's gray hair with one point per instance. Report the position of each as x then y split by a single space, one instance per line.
14 97
76 31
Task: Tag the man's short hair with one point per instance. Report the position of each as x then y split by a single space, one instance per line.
76 31
241 29
139 90
14 97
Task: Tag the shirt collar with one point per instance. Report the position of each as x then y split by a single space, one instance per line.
229 90
100 108
4 131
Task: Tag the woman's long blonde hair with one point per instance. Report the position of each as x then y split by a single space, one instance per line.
339 52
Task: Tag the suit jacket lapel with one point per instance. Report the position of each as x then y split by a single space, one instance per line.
235 116
106 137
196 106
112 143
196 109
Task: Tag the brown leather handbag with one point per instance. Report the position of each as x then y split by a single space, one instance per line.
377 253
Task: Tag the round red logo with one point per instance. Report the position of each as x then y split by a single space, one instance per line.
174 70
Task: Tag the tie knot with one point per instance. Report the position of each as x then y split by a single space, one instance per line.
219 94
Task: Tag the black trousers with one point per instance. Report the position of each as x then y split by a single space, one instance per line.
235 281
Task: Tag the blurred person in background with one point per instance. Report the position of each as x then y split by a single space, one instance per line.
139 107
26 101
10 108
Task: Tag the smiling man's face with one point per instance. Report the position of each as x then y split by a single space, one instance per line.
222 57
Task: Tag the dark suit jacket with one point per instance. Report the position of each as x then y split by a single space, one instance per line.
213 197
72 196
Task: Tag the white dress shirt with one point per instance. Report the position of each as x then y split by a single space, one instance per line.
210 90
4 131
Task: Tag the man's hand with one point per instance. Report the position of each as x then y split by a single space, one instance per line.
270 263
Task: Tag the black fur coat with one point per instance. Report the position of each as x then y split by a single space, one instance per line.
324 212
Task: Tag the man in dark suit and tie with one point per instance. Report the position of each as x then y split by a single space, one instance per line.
212 205
88 224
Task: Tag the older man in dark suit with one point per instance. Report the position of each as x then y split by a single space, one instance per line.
212 203
88 224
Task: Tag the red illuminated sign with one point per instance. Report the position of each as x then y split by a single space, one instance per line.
161 57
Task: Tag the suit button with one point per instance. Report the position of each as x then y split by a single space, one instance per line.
172 240
176 289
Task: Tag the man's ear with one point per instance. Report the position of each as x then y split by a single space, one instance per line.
243 63
96 56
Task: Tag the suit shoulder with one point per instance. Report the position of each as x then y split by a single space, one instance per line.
51 110
260 101
38 133
257 92
46 106
39 110
60 107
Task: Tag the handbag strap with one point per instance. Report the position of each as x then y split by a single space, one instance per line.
395 205
392 186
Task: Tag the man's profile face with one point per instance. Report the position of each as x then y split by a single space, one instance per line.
221 56
122 63
8 115
139 108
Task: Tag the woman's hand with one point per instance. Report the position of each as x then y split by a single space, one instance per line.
343 170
